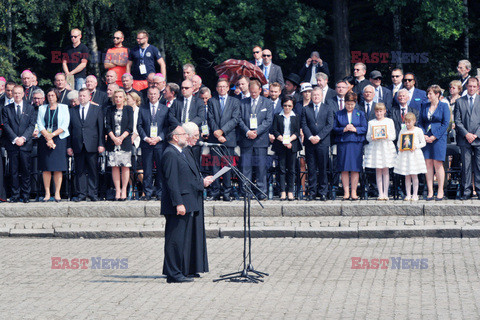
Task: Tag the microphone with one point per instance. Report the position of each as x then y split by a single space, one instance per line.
208 144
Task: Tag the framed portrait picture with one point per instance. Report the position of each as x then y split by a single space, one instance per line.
406 141
379 132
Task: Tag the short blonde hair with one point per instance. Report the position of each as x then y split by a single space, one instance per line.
380 106
124 96
135 97
457 84
410 116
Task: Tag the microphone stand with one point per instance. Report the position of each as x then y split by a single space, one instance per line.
243 275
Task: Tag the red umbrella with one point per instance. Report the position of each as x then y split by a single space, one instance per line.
234 69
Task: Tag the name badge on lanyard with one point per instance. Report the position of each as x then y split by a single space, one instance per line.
205 130
142 67
153 131
253 122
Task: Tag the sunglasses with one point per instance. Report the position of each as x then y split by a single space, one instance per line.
185 88
266 55
408 80
74 37
257 51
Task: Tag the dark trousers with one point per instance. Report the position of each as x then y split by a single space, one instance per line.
195 253
20 170
317 162
255 160
470 157
86 173
149 157
286 169
217 164
197 154
175 236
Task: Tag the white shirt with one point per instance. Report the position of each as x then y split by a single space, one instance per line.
85 111
286 122
21 110
245 95
313 78
324 90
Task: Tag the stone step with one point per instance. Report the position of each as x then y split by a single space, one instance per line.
141 209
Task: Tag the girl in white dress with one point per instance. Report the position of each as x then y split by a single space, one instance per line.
410 163
380 152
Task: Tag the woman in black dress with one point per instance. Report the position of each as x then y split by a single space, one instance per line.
53 121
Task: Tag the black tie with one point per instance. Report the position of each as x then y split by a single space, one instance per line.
19 112
83 113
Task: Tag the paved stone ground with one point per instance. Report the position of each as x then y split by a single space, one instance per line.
310 279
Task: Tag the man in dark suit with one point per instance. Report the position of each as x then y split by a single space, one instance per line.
85 142
317 123
2 87
382 94
189 109
416 96
223 116
397 81
322 82
292 86
463 68
19 120
467 126
359 72
399 111
28 86
257 56
314 65
182 198
152 126
255 121
338 102
8 97
272 72
98 98
368 105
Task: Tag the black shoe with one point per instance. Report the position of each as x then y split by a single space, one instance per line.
178 280
14 199
430 198
195 275
227 198
94 198
26 200
323 198
78 199
213 198
145 198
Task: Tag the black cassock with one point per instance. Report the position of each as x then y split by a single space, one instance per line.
196 260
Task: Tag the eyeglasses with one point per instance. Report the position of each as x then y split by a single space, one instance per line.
185 88
257 51
396 76
288 105
74 37
408 80
266 55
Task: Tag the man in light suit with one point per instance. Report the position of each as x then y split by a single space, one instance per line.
272 72
382 94
317 123
312 66
416 97
152 127
182 198
255 122
223 117
85 142
19 120
467 126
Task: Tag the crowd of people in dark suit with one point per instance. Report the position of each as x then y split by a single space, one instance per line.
295 137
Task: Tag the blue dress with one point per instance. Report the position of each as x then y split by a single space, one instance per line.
350 144
436 125
52 159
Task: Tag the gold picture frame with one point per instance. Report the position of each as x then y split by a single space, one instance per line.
406 141
379 132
